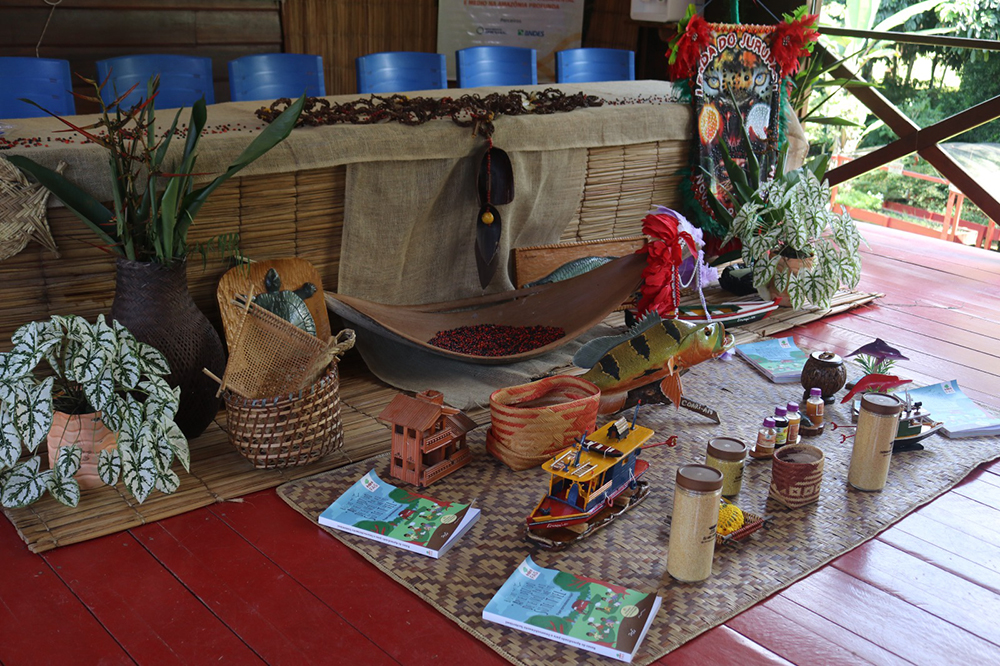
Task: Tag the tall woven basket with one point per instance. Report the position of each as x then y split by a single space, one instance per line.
289 430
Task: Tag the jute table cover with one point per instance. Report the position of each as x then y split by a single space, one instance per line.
632 551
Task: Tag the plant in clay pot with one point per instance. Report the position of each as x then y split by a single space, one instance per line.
155 201
106 384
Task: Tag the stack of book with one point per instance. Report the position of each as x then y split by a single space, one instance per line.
961 416
778 359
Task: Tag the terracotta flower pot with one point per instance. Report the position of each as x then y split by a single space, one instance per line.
89 433
786 265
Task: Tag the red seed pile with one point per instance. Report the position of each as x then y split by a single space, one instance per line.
496 339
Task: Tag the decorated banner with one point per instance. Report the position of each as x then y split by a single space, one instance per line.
738 75
544 25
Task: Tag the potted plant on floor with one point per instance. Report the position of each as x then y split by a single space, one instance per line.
107 409
155 203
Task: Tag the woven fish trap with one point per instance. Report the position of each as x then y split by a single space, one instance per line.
289 430
532 422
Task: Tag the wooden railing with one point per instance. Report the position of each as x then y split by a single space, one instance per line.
913 138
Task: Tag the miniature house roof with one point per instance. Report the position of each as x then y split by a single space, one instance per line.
411 413
461 423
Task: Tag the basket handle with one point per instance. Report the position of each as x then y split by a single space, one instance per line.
341 342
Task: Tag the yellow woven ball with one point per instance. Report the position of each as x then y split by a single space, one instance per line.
730 518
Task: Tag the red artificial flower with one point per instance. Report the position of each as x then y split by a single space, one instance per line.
683 56
791 41
715 248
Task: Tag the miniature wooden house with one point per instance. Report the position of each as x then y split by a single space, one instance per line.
428 438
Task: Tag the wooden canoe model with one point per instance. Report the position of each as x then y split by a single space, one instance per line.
574 305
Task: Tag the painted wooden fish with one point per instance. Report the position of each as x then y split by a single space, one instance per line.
875 382
659 354
572 269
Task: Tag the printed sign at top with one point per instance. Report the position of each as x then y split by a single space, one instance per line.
544 25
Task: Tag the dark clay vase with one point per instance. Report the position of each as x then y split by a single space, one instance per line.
152 301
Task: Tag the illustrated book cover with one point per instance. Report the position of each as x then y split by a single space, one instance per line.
778 359
590 614
961 416
377 510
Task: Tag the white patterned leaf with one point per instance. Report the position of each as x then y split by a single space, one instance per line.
65 489
126 442
32 412
10 440
179 445
84 361
850 269
139 472
111 417
161 405
796 288
152 361
167 481
25 484
100 391
132 414
68 461
126 366
109 466
77 328
163 453
19 363
105 338
765 270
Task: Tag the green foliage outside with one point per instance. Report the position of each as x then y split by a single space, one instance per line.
927 83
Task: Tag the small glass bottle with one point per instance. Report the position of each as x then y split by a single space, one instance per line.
878 424
794 420
815 407
780 427
765 441
728 455
693 523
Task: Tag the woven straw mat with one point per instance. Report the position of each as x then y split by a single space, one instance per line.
632 551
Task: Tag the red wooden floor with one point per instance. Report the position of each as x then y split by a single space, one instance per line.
252 581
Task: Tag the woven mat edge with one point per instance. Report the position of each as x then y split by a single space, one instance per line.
659 655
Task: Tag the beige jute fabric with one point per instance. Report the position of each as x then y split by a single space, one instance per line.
633 550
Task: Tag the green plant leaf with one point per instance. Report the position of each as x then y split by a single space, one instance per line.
152 361
138 471
167 481
824 120
64 488
25 484
90 211
179 445
272 135
109 466
32 412
10 440
904 15
68 460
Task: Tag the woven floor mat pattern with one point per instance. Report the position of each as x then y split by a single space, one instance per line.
632 551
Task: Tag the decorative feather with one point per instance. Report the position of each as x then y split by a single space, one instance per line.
488 230
496 178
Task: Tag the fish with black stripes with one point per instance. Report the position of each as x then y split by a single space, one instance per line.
656 353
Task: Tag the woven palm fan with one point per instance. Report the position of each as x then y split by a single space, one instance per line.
575 305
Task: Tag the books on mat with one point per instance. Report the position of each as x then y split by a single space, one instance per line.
377 510
961 416
608 619
778 359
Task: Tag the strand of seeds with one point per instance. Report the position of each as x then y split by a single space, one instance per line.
469 110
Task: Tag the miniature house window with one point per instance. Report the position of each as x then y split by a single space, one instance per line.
399 430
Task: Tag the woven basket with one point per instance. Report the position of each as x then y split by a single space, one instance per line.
532 422
289 430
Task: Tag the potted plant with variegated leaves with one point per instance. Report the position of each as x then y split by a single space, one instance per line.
106 406
799 249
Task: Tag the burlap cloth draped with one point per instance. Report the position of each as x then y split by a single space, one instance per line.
632 551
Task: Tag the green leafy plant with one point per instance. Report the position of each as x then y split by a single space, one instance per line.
790 218
97 368
155 199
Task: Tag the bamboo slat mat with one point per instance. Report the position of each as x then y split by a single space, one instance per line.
632 551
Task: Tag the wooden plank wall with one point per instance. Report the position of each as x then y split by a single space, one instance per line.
85 31
342 30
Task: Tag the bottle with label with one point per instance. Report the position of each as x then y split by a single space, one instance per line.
693 523
794 421
780 427
814 407
765 441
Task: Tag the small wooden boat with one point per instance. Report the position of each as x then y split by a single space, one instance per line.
590 484
735 313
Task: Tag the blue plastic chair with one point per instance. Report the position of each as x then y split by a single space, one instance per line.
41 80
399 71
273 75
496 66
183 79
585 65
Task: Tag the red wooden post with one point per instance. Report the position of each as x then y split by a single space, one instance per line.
946 223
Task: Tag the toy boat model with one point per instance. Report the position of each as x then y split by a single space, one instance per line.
731 314
590 484
915 425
